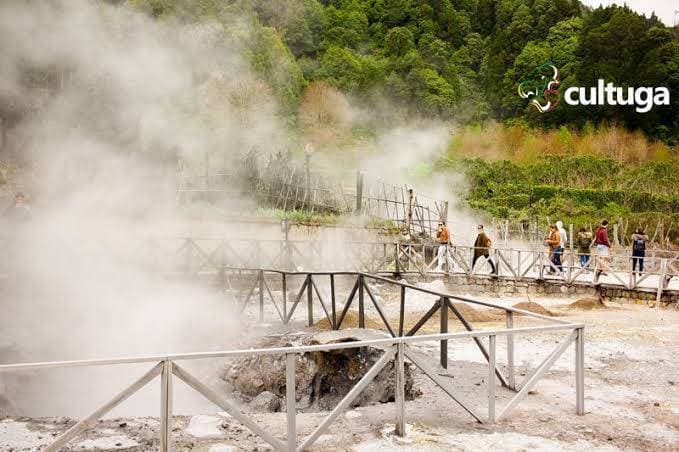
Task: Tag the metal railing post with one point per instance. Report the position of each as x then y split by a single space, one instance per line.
444 329
511 379
291 408
361 307
310 301
661 282
333 302
166 406
284 288
400 390
401 314
260 277
491 378
580 371
630 281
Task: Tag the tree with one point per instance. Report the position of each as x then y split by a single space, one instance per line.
398 41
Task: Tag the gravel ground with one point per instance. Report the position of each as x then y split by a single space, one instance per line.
631 380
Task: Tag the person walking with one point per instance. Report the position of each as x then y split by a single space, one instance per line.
584 242
563 236
639 240
554 243
443 239
481 248
603 247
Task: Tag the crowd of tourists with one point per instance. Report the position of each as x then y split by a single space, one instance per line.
588 245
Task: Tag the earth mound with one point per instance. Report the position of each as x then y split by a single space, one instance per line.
322 378
534 307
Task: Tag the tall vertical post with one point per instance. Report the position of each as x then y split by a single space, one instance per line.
397 263
359 192
310 301
307 184
491 378
572 248
333 303
506 231
409 213
361 307
661 282
444 214
511 379
444 329
291 409
580 371
166 406
260 278
400 390
284 288
401 314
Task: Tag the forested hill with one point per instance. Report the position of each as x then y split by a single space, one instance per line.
457 59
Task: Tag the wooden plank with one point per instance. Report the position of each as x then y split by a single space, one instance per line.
535 376
351 395
166 407
90 420
350 300
478 342
379 310
424 319
227 406
291 408
429 371
400 397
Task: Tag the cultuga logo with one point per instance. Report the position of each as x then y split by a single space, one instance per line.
541 87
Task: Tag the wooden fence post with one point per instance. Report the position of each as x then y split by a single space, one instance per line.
359 192
409 213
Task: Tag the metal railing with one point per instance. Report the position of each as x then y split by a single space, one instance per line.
398 348
193 255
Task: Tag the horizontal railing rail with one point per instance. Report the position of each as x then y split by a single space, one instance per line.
397 349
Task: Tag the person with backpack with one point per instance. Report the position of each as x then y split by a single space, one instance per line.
639 240
481 248
603 248
584 242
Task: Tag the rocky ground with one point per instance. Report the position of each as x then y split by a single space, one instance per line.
632 398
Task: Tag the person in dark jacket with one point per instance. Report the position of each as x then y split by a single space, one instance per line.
639 240
481 247
584 242
603 248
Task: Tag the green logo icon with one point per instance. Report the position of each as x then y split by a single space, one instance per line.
541 87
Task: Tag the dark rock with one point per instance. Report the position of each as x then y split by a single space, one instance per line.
322 378
266 402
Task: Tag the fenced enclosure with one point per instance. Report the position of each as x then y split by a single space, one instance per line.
401 346
282 185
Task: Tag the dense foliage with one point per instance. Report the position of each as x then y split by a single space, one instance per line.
460 58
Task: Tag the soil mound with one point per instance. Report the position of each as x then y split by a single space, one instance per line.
350 321
478 315
587 304
322 378
534 307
